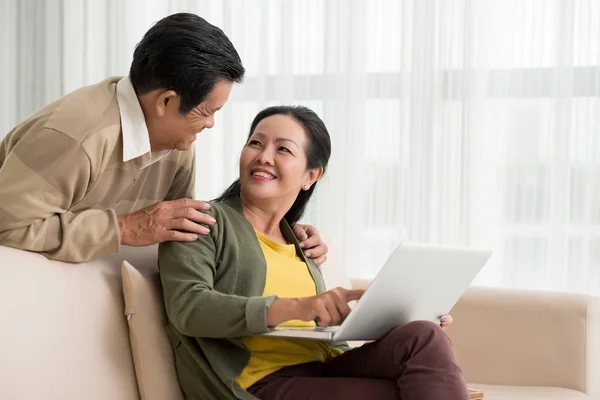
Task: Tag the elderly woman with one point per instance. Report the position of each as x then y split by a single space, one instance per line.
250 275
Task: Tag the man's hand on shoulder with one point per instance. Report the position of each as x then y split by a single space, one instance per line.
310 240
176 220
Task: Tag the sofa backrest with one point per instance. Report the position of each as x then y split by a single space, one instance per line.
63 332
522 337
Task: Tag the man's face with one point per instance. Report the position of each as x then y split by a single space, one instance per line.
176 131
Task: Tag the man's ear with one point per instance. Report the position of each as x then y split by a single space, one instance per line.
166 100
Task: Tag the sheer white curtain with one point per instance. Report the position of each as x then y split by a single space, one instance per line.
452 121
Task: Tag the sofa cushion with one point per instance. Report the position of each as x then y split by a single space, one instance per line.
152 353
499 392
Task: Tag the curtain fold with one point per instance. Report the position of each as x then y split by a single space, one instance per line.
453 121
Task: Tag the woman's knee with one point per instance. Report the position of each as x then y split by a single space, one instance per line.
425 332
427 328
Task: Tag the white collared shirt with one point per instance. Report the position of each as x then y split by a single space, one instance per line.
136 140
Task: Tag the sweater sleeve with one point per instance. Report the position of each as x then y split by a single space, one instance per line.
188 271
44 175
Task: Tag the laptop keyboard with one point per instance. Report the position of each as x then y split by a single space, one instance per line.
327 328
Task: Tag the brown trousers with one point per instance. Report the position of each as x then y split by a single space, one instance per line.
412 362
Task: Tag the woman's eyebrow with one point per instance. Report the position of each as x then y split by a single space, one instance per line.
277 140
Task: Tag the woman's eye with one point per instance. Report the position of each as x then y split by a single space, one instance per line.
284 149
253 143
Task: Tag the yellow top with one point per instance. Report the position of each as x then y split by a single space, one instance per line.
287 276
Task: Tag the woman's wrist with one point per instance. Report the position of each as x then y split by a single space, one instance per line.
282 310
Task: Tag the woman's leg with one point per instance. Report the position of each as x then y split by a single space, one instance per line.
417 356
306 382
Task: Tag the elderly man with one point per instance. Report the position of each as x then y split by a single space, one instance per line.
113 164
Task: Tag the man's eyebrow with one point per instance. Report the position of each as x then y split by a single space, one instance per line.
210 110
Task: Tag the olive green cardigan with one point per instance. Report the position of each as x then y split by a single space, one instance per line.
213 296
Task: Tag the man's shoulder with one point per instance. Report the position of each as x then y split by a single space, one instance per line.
78 116
88 113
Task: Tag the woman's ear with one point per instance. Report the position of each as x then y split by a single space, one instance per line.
314 175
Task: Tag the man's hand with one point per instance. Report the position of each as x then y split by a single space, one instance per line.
310 241
177 220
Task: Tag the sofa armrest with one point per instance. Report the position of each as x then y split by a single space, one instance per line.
528 338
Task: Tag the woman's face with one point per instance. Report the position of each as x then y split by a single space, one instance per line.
273 162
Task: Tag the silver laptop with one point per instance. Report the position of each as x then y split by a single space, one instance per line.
418 282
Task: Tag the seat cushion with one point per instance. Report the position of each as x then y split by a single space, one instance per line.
498 392
151 351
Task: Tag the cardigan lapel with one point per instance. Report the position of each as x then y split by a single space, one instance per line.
288 234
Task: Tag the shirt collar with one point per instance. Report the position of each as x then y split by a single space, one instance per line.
136 139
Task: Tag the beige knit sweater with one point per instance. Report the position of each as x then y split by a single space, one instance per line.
63 180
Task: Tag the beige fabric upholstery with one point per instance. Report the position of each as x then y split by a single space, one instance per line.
63 335
499 392
525 344
152 353
528 338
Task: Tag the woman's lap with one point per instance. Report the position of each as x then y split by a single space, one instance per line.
307 382
415 360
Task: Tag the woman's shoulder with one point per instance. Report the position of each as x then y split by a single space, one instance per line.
230 224
229 209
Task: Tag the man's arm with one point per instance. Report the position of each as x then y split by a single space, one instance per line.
177 218
42 177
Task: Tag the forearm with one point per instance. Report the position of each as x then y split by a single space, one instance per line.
44 175
203 312
70 237
188 271
283 310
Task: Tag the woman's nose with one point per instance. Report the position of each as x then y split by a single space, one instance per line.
265 157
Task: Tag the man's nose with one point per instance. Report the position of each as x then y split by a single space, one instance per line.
210 122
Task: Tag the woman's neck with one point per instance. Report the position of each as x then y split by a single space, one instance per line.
264 219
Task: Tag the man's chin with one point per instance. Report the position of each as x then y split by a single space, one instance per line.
183 146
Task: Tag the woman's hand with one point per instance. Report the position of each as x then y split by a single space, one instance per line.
310 241
328 309
446 320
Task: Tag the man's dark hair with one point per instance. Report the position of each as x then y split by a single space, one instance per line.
318 151
184 53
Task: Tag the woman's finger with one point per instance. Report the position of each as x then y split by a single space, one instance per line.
446 320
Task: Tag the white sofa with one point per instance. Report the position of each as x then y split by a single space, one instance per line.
64 335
